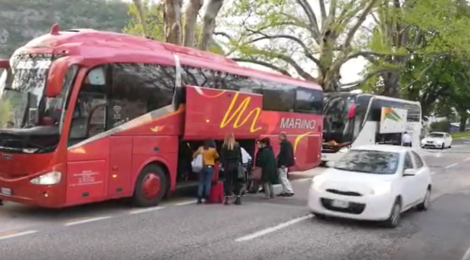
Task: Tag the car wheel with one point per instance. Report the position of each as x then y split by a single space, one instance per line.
423 206
395 215
319 216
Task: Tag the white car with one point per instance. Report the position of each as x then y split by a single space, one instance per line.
373 182
440 140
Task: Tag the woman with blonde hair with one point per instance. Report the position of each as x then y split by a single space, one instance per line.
231 158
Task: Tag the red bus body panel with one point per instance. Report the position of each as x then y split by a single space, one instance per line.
211 113
107 166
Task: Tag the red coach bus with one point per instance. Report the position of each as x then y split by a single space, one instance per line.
94 116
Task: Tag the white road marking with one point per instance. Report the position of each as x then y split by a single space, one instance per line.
12 235
189 202
466 256
451 165
467 159
88 220
138 211
273 229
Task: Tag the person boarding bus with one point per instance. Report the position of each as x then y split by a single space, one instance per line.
406 139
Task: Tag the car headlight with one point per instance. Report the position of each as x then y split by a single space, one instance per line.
317 182
381 189
344 150
49 178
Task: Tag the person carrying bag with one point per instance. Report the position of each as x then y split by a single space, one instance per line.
203 163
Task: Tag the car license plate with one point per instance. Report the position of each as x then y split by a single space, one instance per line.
340 204
5 191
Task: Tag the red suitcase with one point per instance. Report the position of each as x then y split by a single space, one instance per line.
217 192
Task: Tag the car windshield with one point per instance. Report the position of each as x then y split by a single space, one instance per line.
436 135
369 161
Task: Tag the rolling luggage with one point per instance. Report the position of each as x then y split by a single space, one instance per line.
217 192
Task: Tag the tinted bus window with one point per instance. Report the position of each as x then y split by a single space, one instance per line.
308 101
278 96
138 89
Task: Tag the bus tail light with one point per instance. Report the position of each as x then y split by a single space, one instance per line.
49 178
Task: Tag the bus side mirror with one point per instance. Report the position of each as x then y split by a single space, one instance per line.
56 76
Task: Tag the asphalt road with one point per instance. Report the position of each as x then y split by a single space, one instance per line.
259 229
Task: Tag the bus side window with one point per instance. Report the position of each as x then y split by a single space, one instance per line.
138 89
89 117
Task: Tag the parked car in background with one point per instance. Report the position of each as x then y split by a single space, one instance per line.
440 140
374 182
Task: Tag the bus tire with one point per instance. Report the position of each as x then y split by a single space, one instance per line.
150 187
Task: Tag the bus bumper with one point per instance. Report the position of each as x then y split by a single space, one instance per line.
22 191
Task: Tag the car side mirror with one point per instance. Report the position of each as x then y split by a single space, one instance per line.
330 164
409 172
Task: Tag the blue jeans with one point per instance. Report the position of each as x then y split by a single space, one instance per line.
205 181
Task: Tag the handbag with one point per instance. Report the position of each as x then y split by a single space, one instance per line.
197 163
256 173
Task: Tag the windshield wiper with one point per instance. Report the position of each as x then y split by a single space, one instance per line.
11 149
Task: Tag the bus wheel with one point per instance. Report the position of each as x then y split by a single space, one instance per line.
150 186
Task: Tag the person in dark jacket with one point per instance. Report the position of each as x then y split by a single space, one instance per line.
266 160
285 159
231 159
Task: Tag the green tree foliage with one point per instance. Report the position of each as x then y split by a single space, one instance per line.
312 41
412 37
23 20
153 21
441 126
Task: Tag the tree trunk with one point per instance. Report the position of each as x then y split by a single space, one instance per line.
463 121
190 20
391 88
172 17
208 25
141 14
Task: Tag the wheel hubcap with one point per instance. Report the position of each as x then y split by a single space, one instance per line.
151 185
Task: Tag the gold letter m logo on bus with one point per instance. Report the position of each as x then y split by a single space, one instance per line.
239 113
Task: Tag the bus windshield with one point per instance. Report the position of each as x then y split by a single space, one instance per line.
337 126
23 105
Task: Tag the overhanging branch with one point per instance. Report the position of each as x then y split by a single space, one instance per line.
306 50
264 64
423 72
367 77
360 21
223 34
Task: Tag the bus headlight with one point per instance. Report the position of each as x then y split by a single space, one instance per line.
50 178
344 150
